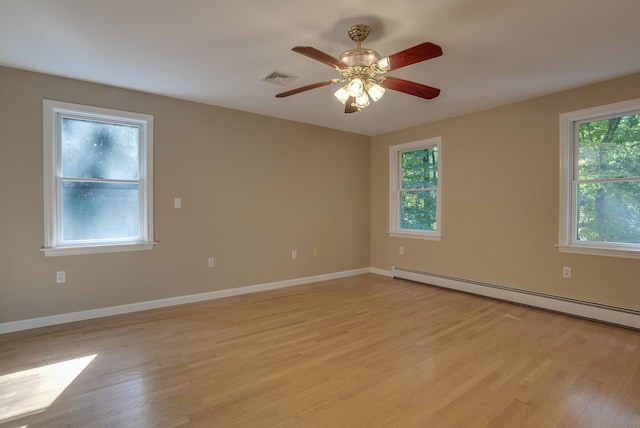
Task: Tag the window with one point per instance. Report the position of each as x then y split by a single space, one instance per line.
600 180
97 179
415 181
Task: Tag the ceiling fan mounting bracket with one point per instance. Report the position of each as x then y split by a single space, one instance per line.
358 32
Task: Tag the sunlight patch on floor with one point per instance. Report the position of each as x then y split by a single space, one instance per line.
31 391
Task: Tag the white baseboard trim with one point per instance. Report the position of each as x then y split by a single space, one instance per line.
381 272
594 311
14 326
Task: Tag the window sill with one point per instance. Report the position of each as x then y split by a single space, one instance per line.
600 251
430 237
97 249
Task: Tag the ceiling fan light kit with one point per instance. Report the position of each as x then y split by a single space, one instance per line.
362 71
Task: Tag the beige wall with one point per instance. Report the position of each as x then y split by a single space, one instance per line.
253 188
500 201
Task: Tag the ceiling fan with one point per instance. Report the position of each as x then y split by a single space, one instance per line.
363 71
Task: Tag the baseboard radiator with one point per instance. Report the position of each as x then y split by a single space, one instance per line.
594 311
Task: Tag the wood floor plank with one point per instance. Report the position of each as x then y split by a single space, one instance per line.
366 351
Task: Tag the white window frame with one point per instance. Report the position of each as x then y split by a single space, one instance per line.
568 242
395 183
53 112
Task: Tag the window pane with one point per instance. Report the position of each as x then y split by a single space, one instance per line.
609 212
100 210
420 168
99 150
418 210
609 148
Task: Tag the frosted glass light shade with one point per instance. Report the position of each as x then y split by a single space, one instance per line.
342 94
375 91
384 64
362 100
355 87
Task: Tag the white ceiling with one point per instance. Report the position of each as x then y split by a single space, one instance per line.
217 52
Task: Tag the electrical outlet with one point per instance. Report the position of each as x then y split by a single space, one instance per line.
177 203
211 262
294 254
566 272
61 277
316 252
401 250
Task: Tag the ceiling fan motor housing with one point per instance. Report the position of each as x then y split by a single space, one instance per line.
360 57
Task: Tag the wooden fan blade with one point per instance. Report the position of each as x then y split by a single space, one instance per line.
324 58
307 88
411 88
350 105
415 54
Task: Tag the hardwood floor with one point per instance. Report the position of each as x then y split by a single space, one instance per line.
366 351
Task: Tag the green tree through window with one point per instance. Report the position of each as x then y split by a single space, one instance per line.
607 178
419 184
600 180
415 186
